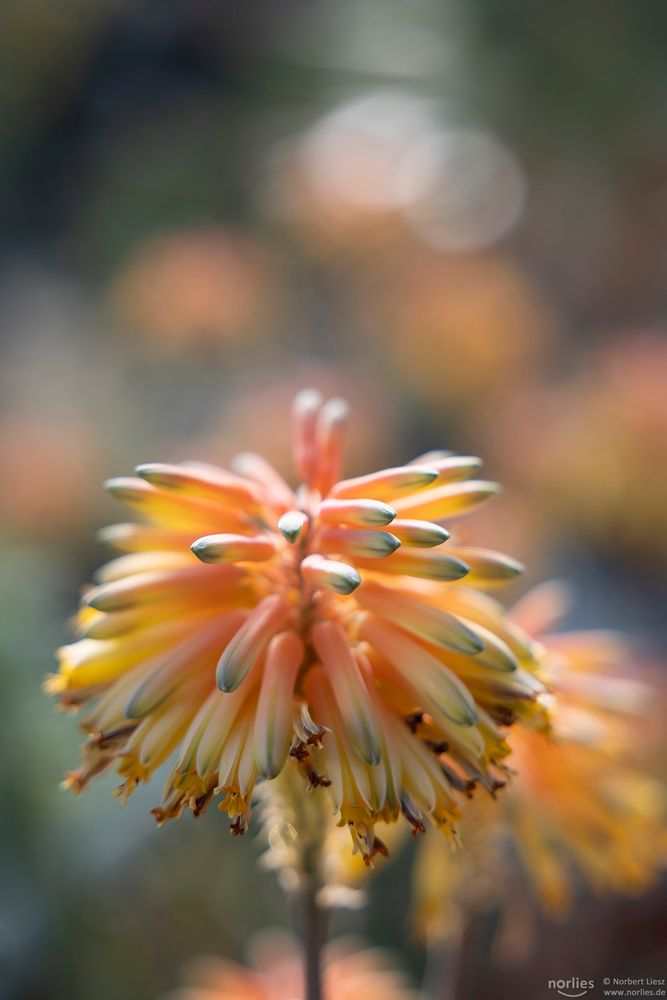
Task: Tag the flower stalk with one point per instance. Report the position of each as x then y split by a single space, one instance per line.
311 924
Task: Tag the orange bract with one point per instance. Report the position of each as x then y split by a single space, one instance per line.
246 627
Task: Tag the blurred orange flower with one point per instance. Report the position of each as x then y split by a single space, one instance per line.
47 463
581 802
460 330
209 285
591 451
276 974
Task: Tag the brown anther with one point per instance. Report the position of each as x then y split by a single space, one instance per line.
413 816
379 847
437 746
457 781
414 721
503 715
239 825
316 780
496 785
202 801
309 731
299 751
110 738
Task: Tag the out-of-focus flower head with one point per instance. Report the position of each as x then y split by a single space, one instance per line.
579 806
234 631
47 462
206 285
591 451
460 329
348 973
382 166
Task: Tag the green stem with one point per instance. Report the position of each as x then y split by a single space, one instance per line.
312 927
441 977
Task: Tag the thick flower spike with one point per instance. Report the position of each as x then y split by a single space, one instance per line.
245 628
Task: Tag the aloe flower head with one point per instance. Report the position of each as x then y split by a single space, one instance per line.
245 627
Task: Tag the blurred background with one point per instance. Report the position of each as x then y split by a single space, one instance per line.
454 212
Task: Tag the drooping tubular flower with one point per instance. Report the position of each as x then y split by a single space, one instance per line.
581 805
234 632
277 974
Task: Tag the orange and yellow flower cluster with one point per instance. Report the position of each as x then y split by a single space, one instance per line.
582 805
245 627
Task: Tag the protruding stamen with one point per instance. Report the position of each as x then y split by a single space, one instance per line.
413 815
299 750
352 542
364 513
239 825
292 525
336 576
458 781
202 802
233 548
112 738
315 779
414 721
305 727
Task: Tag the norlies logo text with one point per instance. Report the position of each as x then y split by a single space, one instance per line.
573 987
